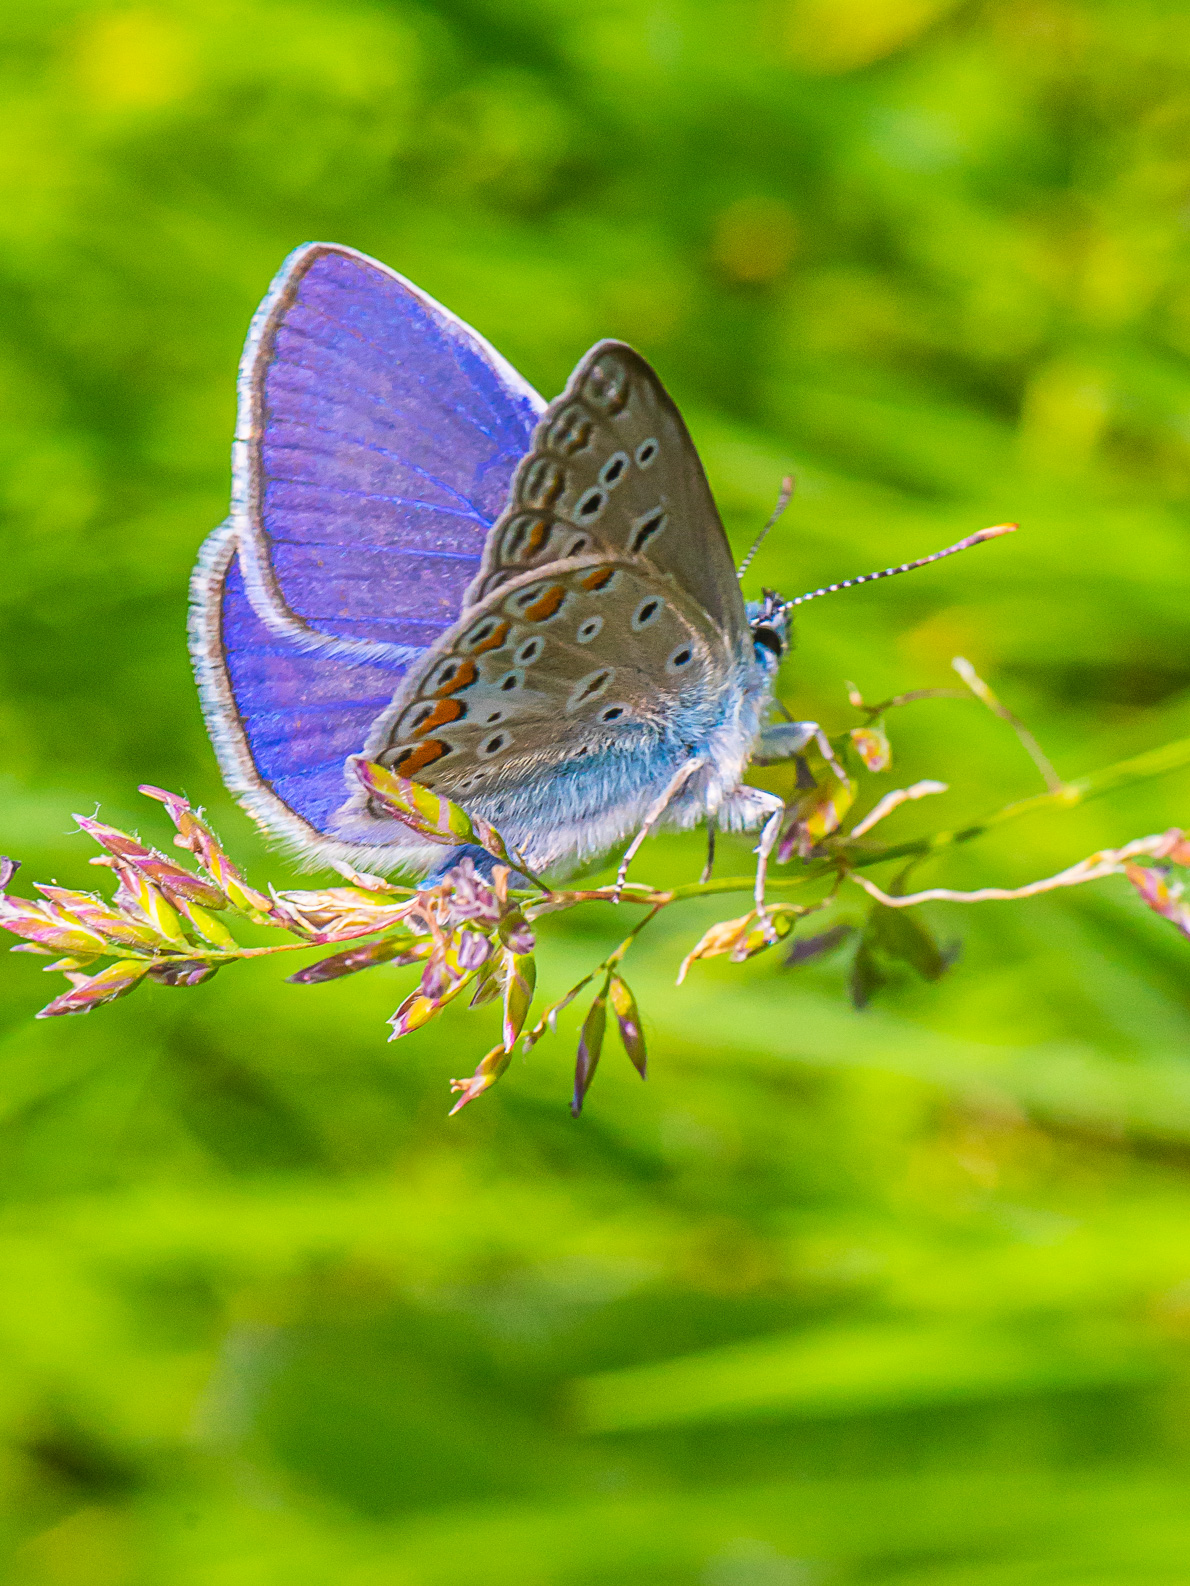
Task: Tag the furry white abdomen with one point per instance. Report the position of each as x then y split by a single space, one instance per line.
574 815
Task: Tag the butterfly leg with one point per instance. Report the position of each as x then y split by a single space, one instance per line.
654 813
828 754
710 864
744 810
785 740
782 740
764 848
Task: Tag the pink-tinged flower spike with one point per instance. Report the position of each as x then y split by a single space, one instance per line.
209 926
415 1011
418 1009
182 972
745 937
436 977
815 815
484 1077
442 980
112 924
1160 896
516 933
180 886
179 811
520 981
139 897
721 938
488 983
50 929
473 949
873 747
590 1045
197 838
469 897
88 992
394 951
336 914
8 869
628 1018
428 814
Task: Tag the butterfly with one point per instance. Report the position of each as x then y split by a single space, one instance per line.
531 609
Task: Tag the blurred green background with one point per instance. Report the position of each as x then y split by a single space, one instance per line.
894 1297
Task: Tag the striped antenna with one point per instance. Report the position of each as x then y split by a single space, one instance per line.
783 500
905 567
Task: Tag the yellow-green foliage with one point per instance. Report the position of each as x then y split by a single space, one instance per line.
897 1297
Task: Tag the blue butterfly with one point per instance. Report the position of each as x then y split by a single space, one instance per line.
530 608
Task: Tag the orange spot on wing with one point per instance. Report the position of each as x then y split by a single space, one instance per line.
463 678
536 537
446 710
547 603
599 579
493 641
424 754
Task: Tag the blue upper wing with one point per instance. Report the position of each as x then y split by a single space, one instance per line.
376 442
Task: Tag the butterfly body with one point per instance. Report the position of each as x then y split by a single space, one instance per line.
566 752
531 609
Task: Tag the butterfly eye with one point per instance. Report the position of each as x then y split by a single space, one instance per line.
529 651
644 529
646 452
680 659
510 682
648 611
613 470
769 640
589 629
578 545
612 713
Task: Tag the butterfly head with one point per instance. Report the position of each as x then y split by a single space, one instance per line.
769 621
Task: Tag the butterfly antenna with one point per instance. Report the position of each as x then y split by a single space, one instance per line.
905 567
783 500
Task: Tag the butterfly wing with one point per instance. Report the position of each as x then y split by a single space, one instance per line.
561 704
612 468
282 718
376 441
